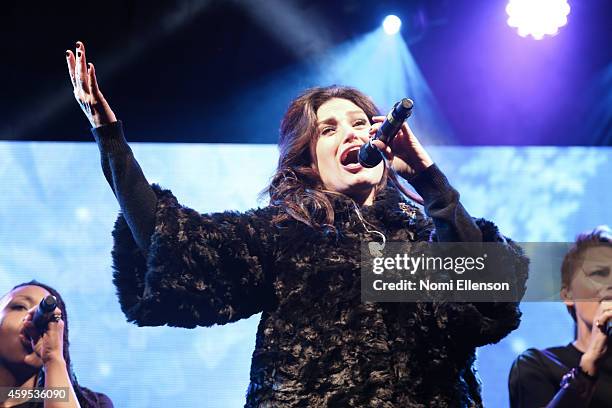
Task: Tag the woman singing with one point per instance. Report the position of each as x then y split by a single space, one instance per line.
578 375
30 359
297 261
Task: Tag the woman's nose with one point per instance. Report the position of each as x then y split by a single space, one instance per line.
349 136
352 134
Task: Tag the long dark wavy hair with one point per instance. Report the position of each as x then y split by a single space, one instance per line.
86 397
296 187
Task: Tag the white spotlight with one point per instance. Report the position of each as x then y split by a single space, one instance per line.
537 18
392 24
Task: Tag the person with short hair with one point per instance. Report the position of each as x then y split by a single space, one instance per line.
577 375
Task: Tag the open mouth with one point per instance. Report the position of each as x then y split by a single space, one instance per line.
350 159
27 344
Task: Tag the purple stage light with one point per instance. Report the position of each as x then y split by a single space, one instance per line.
537 17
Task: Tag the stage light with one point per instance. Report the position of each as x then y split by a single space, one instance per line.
392 24
537 17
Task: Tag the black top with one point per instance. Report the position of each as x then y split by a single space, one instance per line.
536 374
317 344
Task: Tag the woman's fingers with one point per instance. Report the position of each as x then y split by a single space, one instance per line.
374 128
81 67
93 81
52 339
71 61
408 132
603 319
86 89
386 150
404 131
55 322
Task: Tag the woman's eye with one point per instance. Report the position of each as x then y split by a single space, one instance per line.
327 130
600 272
360 122
18 307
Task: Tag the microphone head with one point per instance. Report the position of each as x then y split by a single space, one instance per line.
407 103
48 304
369 156
402 109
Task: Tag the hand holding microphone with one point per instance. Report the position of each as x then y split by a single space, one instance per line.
393 139
599 341
369 155
44 328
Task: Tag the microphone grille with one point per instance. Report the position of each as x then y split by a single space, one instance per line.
407 103
48 304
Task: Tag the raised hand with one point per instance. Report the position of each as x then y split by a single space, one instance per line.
86 90
405 154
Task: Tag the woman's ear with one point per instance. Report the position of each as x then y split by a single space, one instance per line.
567 297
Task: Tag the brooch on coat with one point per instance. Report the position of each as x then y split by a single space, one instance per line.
411 212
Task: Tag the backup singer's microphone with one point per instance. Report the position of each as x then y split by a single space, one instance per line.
369 155
41 315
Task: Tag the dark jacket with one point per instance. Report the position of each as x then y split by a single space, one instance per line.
317 344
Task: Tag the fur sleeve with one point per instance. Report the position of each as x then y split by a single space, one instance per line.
199 270
480 323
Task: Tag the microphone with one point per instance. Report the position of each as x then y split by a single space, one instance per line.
41 315
608 329
369 155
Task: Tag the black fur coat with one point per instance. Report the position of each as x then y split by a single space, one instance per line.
317 344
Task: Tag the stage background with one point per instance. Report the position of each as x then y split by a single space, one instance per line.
57 212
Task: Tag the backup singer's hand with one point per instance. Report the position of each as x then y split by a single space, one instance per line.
86 90
405 154
48 346
598 345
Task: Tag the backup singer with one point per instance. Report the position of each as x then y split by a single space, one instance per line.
578 375
297 261
30 359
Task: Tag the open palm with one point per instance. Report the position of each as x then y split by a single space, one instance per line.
86 90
